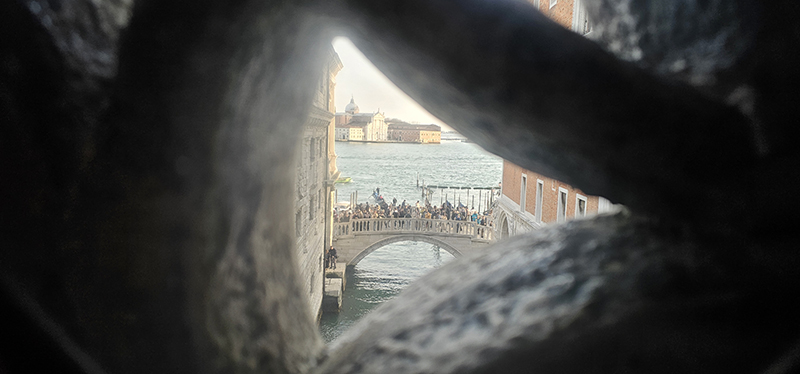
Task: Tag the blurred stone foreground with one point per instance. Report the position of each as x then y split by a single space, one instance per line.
148 146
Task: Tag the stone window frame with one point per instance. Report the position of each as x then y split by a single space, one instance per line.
523 191
298 222
311 207
580 19
537 211
561 212
553 3
578 198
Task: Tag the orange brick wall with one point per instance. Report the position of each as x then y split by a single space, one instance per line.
512 182
561 12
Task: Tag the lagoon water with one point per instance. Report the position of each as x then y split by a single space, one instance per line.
394 168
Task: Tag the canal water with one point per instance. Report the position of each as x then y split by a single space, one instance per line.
394 168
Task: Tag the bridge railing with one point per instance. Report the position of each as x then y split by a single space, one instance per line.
419 225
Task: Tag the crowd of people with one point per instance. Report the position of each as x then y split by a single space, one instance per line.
382 209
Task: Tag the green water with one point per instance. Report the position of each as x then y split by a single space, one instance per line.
394 168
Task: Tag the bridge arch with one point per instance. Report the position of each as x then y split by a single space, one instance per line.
505 232
404 238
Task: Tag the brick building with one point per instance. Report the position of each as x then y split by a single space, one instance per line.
569 13
528 199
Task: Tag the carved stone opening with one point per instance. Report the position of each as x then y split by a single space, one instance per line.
147 145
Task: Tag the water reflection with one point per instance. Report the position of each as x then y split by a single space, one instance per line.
379 277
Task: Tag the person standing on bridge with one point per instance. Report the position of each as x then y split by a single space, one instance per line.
332 257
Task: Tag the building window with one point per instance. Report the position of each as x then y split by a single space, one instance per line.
539 199
553 3
580 21
523 187
535 3
311 148
561 213
580 205
298 222
311 209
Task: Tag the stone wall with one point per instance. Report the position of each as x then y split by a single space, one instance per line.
147 147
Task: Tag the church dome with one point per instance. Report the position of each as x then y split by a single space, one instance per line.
351 108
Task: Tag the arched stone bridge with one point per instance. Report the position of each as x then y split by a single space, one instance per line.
357 238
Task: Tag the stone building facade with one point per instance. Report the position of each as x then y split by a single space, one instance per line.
528 199
315 176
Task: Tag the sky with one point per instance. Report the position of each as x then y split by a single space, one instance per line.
372 90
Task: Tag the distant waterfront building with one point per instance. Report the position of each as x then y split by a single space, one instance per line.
406 132
316 174
349 132
373 125
530 200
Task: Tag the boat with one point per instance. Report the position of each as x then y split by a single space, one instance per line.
344 180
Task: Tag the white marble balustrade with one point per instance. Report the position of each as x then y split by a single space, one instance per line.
368 226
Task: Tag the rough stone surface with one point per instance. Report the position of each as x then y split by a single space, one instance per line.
612 294
528 89
141 227
693 40
146 146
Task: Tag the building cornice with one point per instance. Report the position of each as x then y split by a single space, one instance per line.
318 117
335 63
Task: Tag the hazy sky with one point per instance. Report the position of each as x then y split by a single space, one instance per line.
372 90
